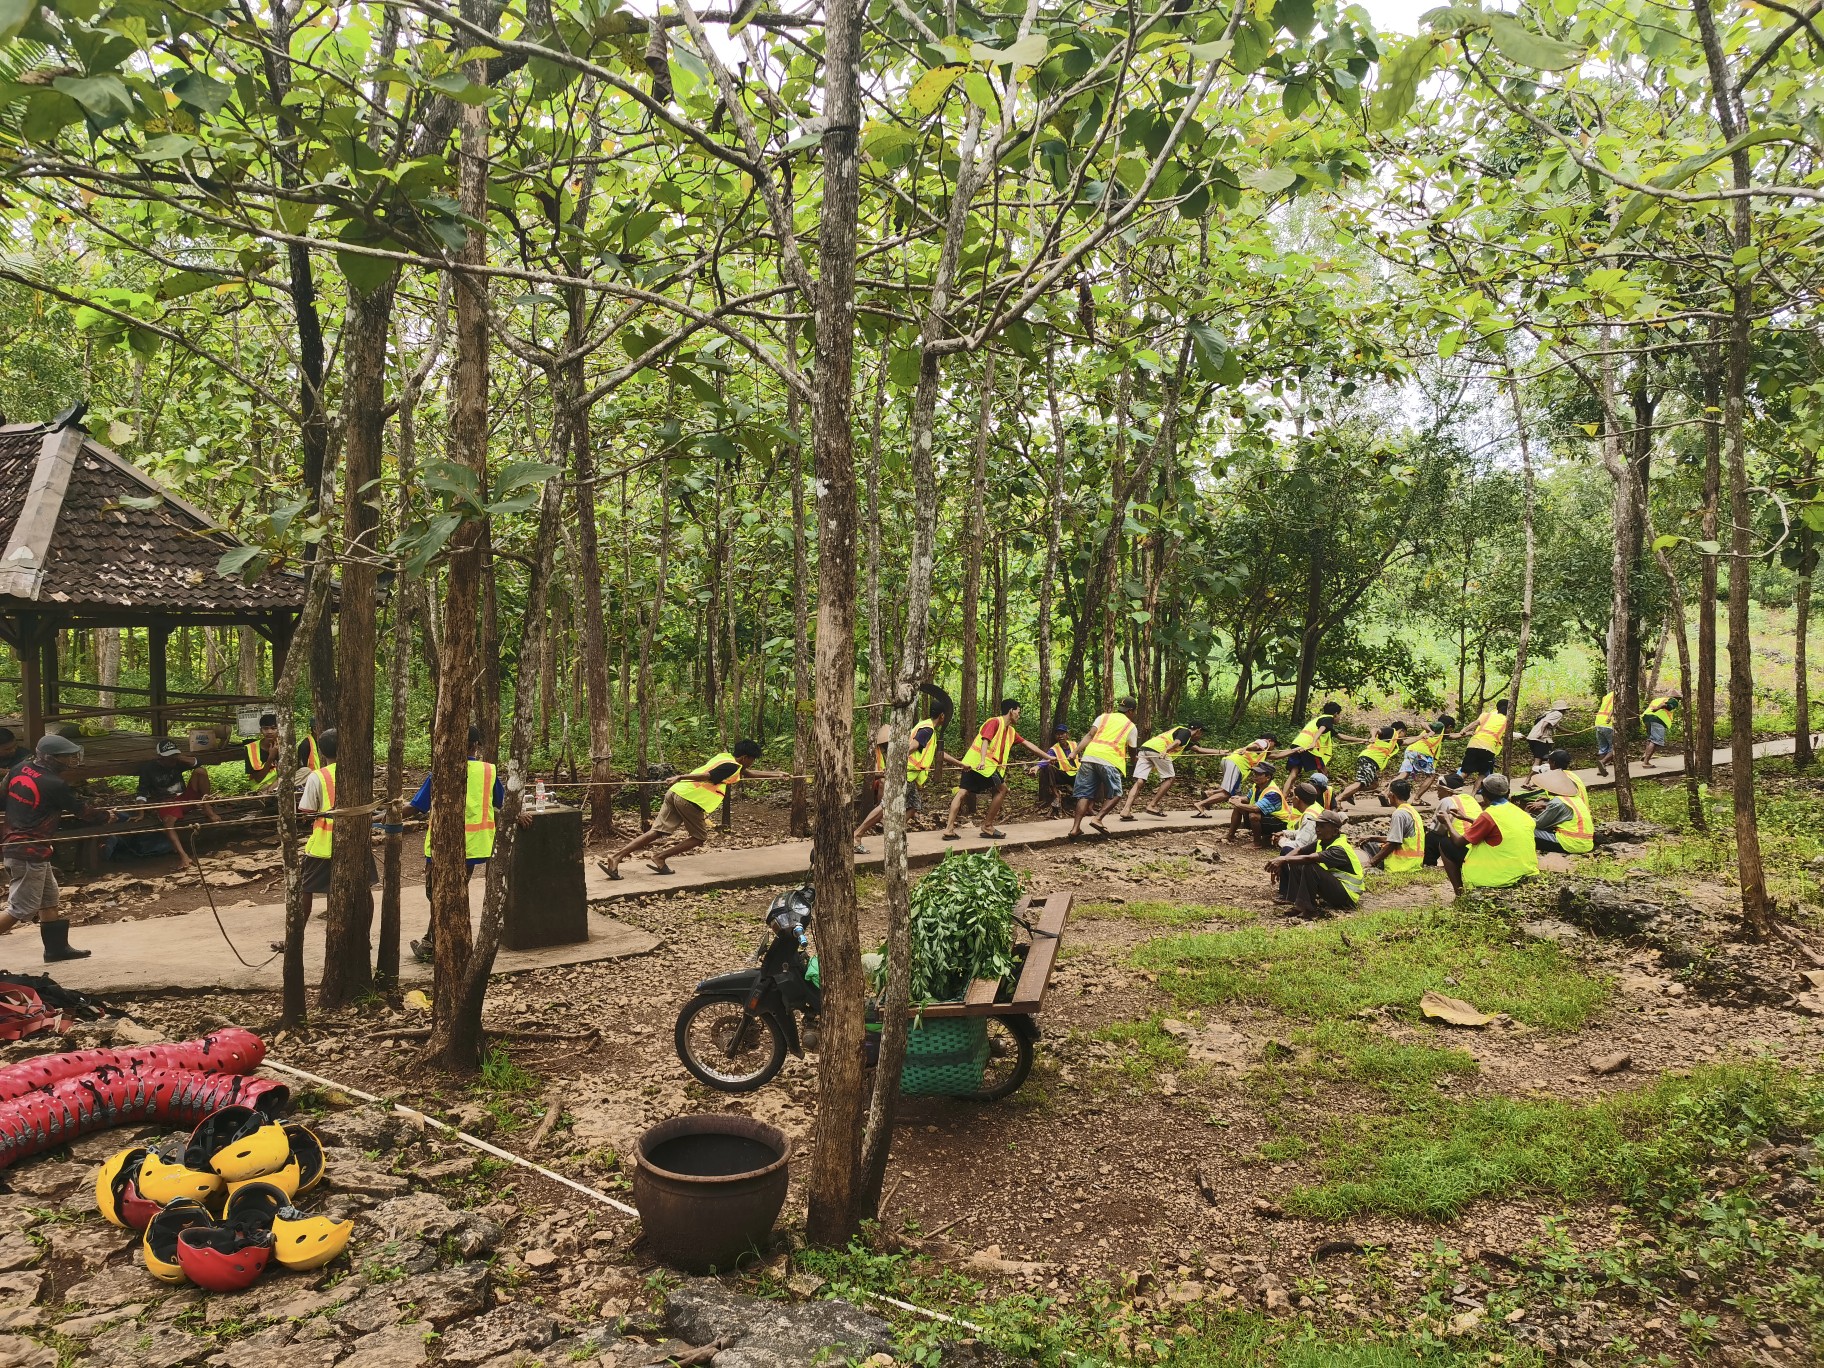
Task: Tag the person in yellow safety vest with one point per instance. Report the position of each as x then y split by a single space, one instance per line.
319 796
1605 732
1372 763
262 762
1659 717
1323 873
1485 737
1313 750
1156 758
1102 764
1497 850
1408 845
1063 764
1294 823
1247 799
480 816
983 771
688 805
1237 765
1419 766
1563 823
1558 765
921 759
1457 807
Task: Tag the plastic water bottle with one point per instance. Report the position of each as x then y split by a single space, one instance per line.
538 796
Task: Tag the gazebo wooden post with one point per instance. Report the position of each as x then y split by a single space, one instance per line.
47 683
280 629
158 637
33 700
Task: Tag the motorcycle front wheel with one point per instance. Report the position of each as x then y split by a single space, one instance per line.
727 1048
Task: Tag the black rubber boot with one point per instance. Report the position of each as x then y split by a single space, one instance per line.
56 938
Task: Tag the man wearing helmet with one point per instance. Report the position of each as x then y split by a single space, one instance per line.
37 796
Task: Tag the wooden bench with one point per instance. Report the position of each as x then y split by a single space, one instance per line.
983 999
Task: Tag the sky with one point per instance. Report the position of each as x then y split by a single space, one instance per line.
1398 16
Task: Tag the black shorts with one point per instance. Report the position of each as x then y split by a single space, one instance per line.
969 781
313 873
1541 749
1476 760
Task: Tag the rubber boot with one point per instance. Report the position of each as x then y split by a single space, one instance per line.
56 938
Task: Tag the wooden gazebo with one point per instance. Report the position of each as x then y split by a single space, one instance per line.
91 541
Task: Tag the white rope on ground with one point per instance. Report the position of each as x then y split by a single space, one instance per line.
467 1139
920 1311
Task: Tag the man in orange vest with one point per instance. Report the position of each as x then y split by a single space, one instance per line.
688 804
1487 735
1102 765
481 815
319 796
984 769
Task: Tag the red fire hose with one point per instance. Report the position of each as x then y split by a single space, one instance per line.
232 1051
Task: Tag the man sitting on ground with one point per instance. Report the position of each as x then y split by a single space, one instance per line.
1408 845
1563 823
1497 850
1322 873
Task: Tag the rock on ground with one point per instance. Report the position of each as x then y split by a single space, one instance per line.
770 1334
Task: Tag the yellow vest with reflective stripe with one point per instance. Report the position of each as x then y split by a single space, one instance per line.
477 814
1322 744
323 830
1380 752
256 764
1498 866
1428 744
1605 711
1243 758
1410 853
1490 727
1471 810
1164 743
1065 756
1104 744
1583 789
1351 879
987 756
697 788
1578 835
918 762
1657 708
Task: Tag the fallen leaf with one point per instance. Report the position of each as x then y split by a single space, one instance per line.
1452 1011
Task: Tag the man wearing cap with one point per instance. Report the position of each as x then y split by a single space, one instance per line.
1659 717
1497 850
170 776
37 796
1323 873
1539 740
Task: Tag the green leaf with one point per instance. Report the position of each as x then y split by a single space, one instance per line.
1398 84
460 88
15 15
1666 541
1029 51
1523 47
202 92
1212 52
144 503
48 113
1270 180
105 97
365 273
1296 16
1709 548
169 147
240 558
1641 201
928 91
980 92
181 283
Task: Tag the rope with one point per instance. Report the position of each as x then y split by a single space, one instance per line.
418 1117
209 892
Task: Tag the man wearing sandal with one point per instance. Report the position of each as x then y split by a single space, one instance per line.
984 769
1104 762
1156 758
689 803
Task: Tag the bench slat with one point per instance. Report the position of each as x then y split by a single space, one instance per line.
1048 928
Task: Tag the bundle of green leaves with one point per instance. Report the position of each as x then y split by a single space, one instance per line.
962 925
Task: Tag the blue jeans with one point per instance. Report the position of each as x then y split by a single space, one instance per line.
1096 780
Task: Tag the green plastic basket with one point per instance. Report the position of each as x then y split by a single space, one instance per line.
945 1058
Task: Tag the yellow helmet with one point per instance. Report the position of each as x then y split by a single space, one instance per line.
164 1181
255 1202
159 1246
254 1155
112 1181
285 1178
301 1241
308 1151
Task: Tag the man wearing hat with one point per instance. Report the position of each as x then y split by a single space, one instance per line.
1323 873
1539 740
168 779
37 796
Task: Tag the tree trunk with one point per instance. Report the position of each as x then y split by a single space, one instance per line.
1801 664
1703 706
1675 595
644 684
973 535
877 644
800 818
834 1187
347 944
589 572
297 902
1526 593
247 662
451 1043
1054 535
1757 907
107 668
1622 676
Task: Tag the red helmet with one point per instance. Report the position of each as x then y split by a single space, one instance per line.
223 1258
159 1247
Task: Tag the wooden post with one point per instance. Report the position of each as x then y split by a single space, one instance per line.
281 629
48 678
158 637
28 676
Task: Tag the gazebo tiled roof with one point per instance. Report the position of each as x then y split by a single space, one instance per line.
73 544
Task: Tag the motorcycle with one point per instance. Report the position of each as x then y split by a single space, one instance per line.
734 1033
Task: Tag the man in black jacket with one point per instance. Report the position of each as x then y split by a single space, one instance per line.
37 796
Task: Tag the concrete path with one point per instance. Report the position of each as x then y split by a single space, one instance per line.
187 951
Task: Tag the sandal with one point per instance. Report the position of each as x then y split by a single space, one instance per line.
952 836
611 871
992 835
1099 827
657 870
1129 817
1157 812
1200 816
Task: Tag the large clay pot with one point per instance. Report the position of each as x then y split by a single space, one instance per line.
709 1188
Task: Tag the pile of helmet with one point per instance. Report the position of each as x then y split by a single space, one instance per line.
49 1101
220 1209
